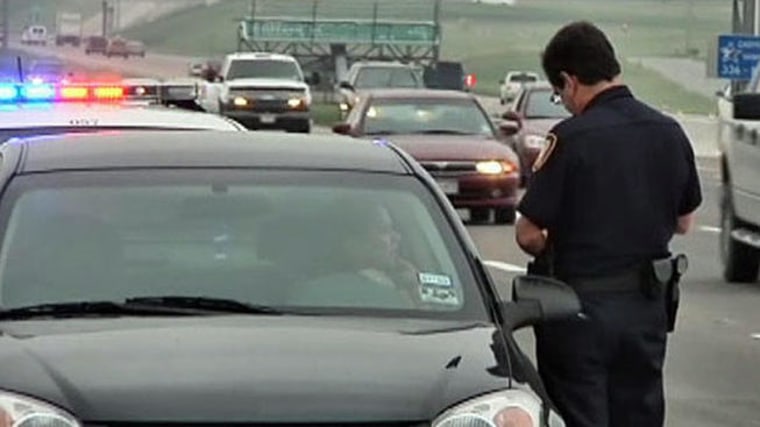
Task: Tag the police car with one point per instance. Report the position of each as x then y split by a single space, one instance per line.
139 287
40 107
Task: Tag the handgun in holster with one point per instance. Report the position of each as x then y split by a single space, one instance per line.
543 264
667 275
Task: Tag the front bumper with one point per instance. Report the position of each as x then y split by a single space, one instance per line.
480 191
267 119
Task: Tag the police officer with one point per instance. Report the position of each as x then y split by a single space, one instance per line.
611 187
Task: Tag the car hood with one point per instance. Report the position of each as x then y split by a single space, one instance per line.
539 126
452 147
266 83
251 369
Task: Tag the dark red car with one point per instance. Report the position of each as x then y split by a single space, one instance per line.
534 114
451 135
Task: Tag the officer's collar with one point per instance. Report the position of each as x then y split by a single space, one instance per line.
614 92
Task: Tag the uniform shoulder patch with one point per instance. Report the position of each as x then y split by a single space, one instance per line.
546 152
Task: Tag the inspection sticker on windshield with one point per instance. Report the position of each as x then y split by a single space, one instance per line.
434 279
437 289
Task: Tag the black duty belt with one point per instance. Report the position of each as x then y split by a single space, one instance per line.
627 281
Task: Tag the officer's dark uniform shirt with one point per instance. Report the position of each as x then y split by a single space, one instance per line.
614 182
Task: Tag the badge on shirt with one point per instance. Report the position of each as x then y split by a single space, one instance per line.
546 152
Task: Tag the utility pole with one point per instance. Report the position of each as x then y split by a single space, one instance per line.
5 31
104 26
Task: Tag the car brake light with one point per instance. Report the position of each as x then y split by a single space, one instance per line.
470 80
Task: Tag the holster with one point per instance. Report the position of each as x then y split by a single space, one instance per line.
664 279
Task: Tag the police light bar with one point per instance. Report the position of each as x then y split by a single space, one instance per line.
74 92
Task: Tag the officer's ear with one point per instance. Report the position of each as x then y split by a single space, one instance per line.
567 80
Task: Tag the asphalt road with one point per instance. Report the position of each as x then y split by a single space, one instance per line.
712 372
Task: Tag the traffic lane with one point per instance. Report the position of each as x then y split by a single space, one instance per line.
711 370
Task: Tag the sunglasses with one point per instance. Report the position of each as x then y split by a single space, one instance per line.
556 98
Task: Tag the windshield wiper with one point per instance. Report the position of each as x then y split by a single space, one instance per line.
444 132
203 303
87 309
381 132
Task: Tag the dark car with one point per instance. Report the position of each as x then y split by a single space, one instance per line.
95 44
534 114
454 139
251 281
370 75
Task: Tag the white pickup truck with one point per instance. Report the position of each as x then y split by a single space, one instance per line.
260 90
739 146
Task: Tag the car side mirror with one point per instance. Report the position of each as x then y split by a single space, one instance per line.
720 93
747 106
538 299
342 129
501 82
511 116
346 85
509 128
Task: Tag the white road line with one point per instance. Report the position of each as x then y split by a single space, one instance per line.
509 268
709 229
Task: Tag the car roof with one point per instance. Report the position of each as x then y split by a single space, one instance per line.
205 149
260 55
420 93
135 115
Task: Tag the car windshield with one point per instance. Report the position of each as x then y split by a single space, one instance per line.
329 242
539 105
386 77
462 116
264 69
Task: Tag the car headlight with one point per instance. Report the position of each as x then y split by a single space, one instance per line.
493 167
535 141
239 101
22 411
507 408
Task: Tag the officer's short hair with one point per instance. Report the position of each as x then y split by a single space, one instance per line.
580 49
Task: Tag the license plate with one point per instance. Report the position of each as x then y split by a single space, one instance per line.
448 186
268 118
464 214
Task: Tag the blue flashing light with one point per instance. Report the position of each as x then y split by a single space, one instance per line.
8 92
38 92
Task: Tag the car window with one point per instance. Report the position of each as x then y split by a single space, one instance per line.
264 68
538 105
335 242
426 115
523 78
385 77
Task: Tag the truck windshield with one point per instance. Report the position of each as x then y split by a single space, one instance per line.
264 69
